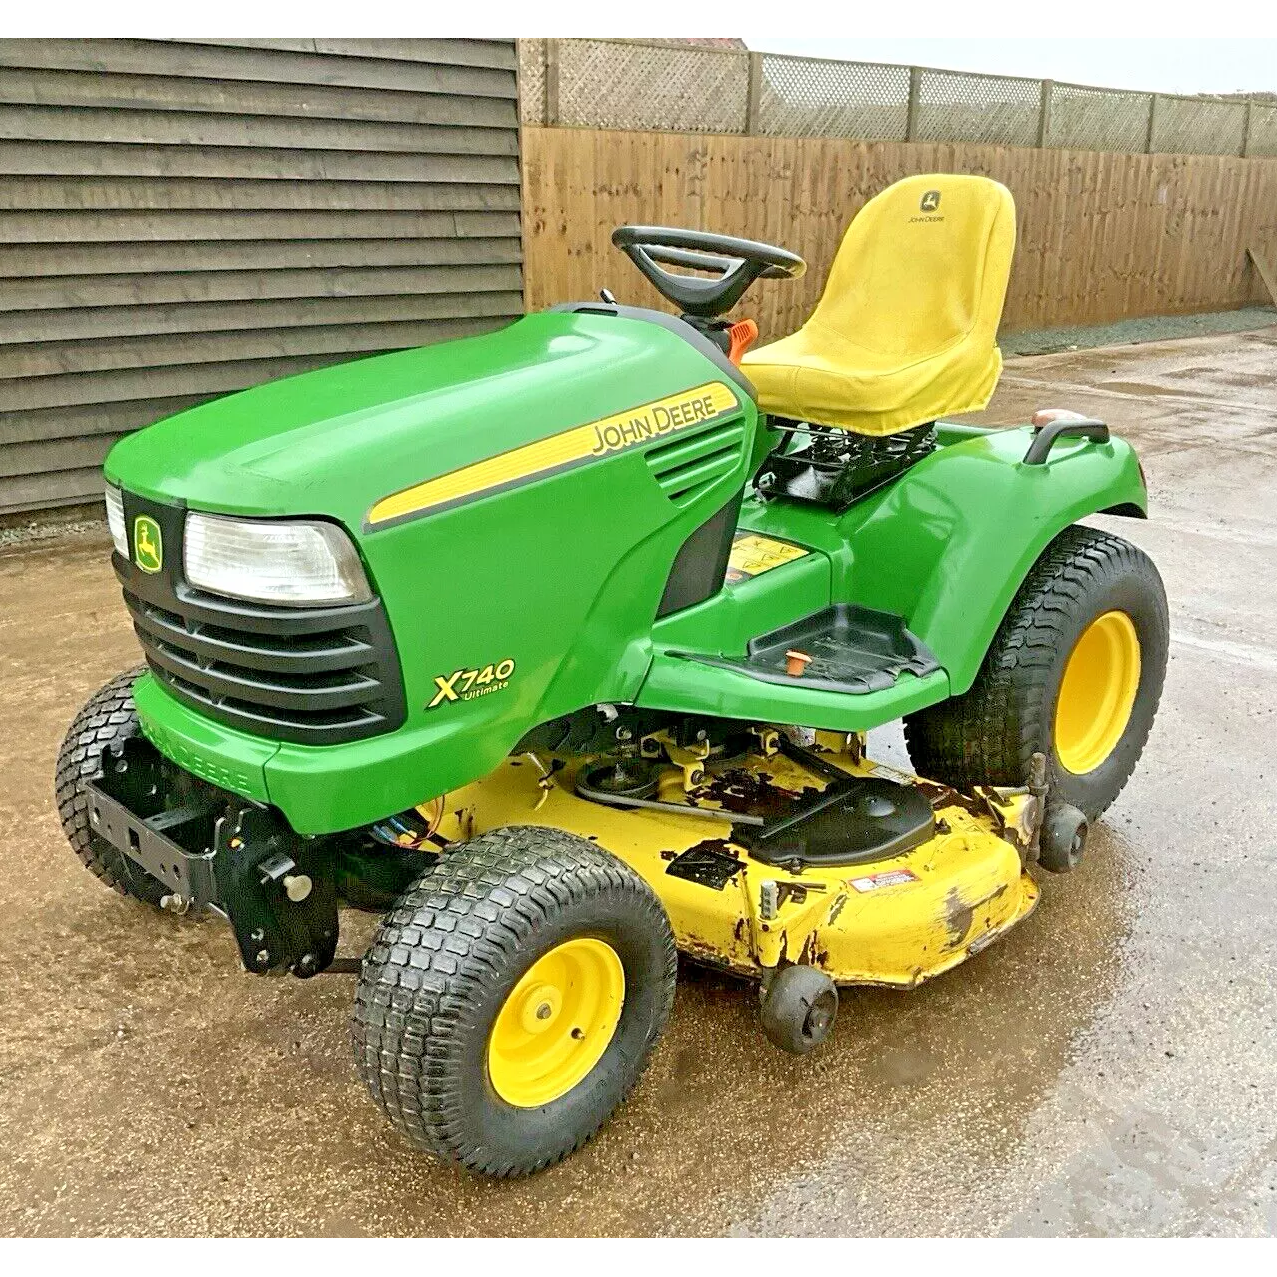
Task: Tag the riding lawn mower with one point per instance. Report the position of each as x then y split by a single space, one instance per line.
558 646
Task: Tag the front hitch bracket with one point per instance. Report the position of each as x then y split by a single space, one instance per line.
278 891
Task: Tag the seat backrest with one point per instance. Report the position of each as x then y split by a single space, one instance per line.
924 264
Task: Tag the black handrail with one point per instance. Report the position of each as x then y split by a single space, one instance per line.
1079 427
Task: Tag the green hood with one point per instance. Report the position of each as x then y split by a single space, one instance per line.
335 441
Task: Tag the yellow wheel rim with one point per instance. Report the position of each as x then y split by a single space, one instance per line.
556 1023
1097 692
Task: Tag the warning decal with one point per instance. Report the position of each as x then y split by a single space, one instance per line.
888 878
752 555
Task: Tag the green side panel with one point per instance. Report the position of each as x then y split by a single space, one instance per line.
724 624
946 546
220 755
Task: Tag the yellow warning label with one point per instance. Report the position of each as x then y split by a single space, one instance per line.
752 555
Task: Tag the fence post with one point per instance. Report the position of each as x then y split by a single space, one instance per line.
1152 123
551 82
1250 110
753 94
911 113
1044 113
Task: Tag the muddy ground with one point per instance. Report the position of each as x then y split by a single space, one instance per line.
1108 1067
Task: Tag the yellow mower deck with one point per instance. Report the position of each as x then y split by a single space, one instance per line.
897 921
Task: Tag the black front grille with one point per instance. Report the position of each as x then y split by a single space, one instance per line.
317 676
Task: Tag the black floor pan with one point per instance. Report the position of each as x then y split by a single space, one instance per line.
852 649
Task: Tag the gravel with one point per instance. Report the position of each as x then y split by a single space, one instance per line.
1134 332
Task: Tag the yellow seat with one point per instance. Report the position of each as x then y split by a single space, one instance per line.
906 330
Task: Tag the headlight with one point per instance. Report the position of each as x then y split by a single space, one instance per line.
115 520
272 561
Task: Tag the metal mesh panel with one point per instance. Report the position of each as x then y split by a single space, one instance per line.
676 87
1263 131
1097 119
966 108
532 81
1198 127
643 86
802 97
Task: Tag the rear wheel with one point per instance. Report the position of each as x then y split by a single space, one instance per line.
1075 672
91 744
512 999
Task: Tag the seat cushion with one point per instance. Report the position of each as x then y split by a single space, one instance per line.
833 383
906 329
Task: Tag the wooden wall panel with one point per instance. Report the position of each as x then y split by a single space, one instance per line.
180 219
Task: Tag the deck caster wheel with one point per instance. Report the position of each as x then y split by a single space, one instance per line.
799 1006
1063 838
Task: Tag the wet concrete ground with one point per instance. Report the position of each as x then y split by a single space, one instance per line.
1108 1067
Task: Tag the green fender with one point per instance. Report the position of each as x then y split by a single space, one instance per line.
946 546
949 544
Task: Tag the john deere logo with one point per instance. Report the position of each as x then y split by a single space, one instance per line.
148 544
930 202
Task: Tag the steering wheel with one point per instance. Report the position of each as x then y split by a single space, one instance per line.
737 263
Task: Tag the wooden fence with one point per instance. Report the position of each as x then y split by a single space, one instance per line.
1102 235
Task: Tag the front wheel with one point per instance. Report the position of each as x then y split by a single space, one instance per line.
91 745
1075 672
512 999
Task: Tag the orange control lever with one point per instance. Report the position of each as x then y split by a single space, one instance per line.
744 333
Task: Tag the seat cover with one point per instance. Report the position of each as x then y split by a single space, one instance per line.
906 330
